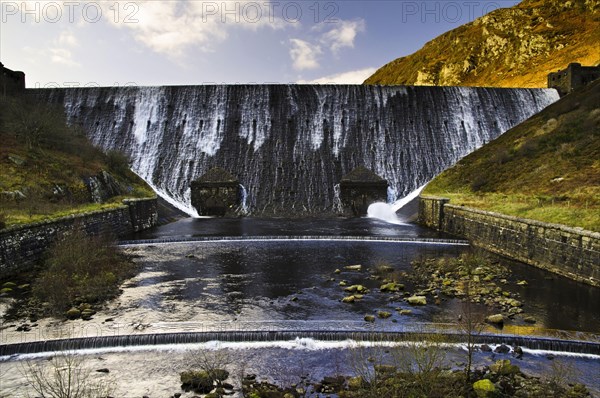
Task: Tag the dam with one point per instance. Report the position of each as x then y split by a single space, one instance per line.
290 145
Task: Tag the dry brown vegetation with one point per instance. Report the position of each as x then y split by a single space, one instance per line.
511 47
44 164
547 168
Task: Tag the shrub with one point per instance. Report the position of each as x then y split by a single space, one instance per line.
479 183
2 220
66 376
81 268
35 124
117 162
198 381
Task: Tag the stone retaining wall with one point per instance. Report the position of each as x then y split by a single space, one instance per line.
571 252
22 246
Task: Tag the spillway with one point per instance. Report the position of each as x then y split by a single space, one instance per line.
289 145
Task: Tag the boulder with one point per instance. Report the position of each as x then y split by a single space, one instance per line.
417 300
383 314
496 319
518 352
369 318
357 267
87 314
198 381
348 299
220 374
504 367
384 269
391 287
73 313
514 303
355 383
502 349
356 289
484 388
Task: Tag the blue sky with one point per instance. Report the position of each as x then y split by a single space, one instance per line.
153 42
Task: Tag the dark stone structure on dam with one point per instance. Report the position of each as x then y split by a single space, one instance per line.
11 82
572 77
216 193
359 189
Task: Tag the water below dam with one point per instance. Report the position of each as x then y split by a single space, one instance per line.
269 292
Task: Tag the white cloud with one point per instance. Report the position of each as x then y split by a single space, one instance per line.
343 35
62 56
67 38
61 49
304 54
350 77
173 27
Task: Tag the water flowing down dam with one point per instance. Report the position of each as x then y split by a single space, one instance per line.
289 145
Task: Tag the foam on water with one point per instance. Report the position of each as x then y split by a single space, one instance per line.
387 211
303 344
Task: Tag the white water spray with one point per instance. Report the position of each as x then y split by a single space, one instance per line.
400 203
244 204
387 212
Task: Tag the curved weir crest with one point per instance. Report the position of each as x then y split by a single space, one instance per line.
290 145
249 336
307 238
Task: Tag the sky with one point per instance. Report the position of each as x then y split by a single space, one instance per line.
189 42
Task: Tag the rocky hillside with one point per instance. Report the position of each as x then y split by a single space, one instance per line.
48 169
511 47
547 168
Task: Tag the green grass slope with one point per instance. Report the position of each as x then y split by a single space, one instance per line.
44 165
510 47
547 168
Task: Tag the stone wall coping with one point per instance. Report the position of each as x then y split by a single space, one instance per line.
15 228
427 197
560 227
135 200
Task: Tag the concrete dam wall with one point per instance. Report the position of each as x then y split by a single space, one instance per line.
290 145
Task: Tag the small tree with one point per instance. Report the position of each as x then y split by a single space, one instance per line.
420 361
470 322
81 268
66 376
213 362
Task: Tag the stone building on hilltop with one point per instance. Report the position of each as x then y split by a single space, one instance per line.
11 82
574 76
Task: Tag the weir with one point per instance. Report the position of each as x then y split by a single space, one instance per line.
531 342
290 145
305 238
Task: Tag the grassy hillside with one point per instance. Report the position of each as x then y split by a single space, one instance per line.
511 47
48 169
547 168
